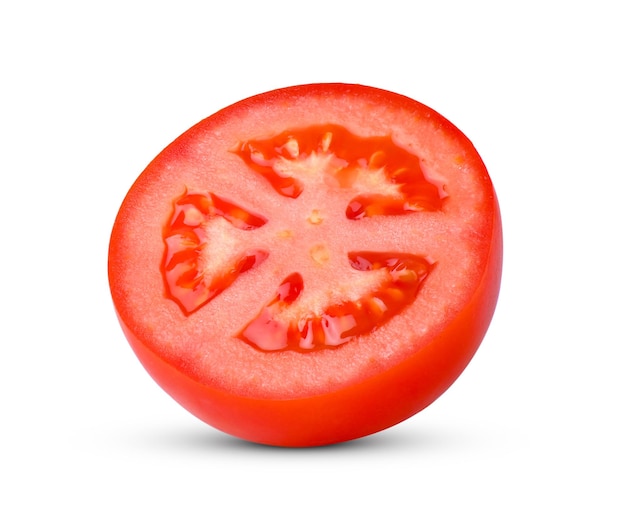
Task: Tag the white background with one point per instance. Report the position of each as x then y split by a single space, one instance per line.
90 94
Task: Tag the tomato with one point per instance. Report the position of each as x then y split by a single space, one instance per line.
309 265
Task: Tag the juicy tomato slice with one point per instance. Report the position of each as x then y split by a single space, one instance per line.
304 257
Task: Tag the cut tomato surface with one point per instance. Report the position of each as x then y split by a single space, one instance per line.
309 265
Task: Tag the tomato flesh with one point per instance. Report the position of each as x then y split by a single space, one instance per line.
310 265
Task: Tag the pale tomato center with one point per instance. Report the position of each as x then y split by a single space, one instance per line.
207 248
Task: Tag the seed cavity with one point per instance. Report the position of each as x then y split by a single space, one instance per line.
290 322
203 254
381 174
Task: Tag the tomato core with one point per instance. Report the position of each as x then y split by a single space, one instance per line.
387 180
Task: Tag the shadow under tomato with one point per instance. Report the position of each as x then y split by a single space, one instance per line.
402 438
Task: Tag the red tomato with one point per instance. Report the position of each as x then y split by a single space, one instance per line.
310 265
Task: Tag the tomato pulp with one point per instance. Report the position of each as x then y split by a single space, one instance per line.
309 265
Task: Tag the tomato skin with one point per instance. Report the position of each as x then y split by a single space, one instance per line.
351 411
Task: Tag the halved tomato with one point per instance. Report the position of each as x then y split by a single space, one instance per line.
310 265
